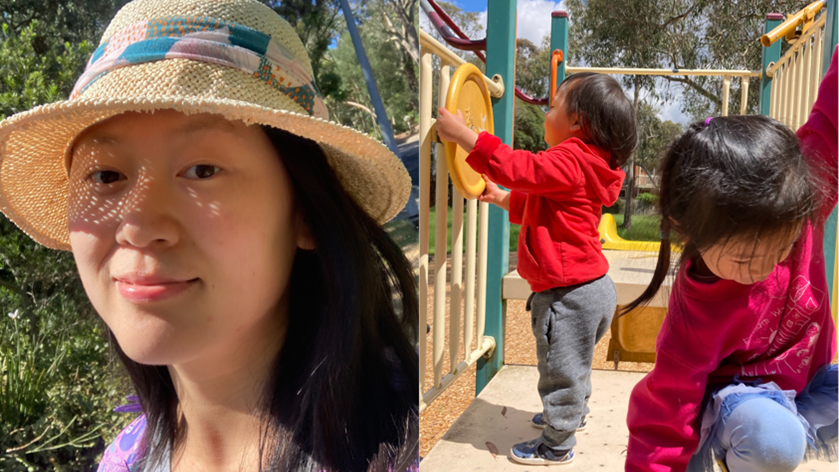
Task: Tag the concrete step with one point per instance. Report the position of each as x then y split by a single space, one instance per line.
601 447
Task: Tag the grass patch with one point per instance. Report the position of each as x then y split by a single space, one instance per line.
644 228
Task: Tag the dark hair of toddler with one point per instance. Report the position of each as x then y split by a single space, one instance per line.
731 177
606 115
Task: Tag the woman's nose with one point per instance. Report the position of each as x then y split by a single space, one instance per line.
148 216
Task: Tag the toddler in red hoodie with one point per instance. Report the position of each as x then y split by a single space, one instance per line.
743 374
557 197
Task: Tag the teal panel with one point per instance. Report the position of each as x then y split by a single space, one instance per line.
501 59
769 55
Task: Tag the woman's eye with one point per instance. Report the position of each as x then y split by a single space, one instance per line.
201 171
105 177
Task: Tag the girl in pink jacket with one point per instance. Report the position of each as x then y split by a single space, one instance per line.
743 373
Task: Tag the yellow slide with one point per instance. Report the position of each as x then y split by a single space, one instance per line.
609 238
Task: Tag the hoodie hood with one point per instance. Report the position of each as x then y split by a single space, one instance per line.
594 162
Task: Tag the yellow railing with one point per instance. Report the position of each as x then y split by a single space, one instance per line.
473 295
726 75
796 76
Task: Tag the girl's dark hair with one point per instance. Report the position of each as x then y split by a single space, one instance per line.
342 393
606 115
738 176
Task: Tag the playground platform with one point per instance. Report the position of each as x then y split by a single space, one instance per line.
601 447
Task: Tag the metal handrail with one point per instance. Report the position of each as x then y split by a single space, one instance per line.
630 71
788 28
494 84
745 78
448 29
796 46
795 77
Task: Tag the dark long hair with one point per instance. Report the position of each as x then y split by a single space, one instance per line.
737 176
342 393
606 115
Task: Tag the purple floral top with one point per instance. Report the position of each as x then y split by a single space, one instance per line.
124 454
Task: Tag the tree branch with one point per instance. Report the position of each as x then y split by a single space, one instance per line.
695 86
678 17
362 107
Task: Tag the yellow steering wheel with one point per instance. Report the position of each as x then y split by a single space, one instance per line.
468 93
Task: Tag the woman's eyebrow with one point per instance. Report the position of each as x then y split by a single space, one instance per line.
206 123
100 137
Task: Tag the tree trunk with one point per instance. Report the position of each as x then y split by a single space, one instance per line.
630 170
410 71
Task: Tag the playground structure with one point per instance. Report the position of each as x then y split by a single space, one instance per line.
787 88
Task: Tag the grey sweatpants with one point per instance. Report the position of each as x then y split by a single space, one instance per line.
567 323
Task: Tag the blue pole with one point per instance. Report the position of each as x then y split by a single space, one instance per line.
501 59
375 98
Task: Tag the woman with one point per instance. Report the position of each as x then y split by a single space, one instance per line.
229 237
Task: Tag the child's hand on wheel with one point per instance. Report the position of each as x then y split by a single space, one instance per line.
452 128
493 194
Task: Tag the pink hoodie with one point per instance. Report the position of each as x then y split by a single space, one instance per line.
778 330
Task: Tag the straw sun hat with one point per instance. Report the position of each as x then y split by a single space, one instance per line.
235 58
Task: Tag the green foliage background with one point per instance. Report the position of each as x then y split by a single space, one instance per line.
59 379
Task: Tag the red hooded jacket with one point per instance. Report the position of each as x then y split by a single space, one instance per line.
557 197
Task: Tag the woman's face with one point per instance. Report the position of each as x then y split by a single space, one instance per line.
184 231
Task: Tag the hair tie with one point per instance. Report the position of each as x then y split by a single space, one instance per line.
708 121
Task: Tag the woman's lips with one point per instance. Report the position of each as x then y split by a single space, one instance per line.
148 290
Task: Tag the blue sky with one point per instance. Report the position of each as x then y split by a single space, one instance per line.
472 5
534 22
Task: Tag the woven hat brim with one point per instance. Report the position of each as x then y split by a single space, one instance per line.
34 146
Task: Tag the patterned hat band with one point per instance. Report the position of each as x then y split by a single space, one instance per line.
207 40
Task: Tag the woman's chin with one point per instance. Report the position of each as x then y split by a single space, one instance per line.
154 347
152 353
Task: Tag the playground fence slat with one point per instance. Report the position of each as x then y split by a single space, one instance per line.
726 89
474 314
796 77
469 303
441 205
744 93
425 189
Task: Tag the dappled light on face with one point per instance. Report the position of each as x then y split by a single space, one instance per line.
111 191
211 209
103 188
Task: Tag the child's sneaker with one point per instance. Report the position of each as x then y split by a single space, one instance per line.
536 453
539 422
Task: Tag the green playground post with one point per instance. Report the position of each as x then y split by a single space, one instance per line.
769 55
830 33
559 40
830 226
501 60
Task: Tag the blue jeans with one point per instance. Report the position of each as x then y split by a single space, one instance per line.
760 431
761 435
